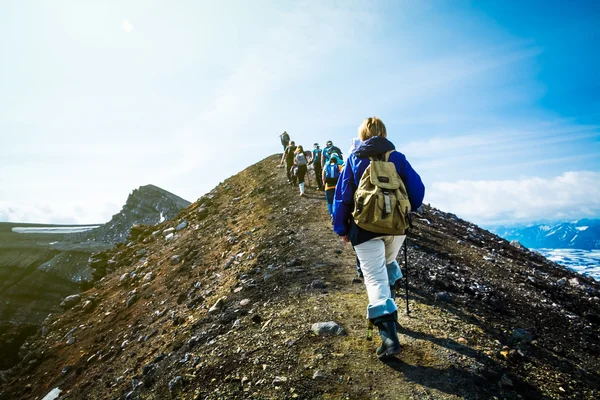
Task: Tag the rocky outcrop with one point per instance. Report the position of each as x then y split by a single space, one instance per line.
147 205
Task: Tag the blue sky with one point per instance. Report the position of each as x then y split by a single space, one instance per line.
496 104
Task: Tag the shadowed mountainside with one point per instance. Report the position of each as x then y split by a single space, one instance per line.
223 308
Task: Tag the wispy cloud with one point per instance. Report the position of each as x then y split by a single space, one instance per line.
243 109
570 195
201 91
56 213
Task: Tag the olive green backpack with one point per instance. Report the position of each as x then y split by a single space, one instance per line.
381 203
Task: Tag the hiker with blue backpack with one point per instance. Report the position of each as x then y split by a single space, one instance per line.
375 193
331 175
330 150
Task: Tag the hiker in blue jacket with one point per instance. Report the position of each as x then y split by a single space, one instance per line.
375 250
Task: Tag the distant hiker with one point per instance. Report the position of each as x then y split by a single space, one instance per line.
376 228
288 159
331 175
328 151
301 163
316 163
285 140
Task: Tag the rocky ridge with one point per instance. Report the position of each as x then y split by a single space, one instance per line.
247 293
147 205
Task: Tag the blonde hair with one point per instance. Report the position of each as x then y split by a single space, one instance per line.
371 127
299 149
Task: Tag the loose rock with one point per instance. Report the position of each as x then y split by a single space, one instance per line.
244 302
443 296
521 335
318 375
131 300
317 284
70 301
328 328
175 385
148 277
279 380
218 305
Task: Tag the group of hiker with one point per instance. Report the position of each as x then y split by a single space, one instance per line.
326 164
369 199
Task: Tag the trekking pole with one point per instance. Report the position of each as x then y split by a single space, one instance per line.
408 216
339 246
406 273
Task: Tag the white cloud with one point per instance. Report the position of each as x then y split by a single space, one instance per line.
126 26
571 195
56 213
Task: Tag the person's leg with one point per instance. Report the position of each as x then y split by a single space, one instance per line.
393 244
329 195
371 255
382 309
301 174
288 165
318 175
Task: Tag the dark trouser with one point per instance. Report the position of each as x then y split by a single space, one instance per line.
285 144
288 169
319 175
329 194
302 169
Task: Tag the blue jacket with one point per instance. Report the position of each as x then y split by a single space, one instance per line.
343 204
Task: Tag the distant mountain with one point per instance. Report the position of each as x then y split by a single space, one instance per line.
583 234
40 267
147 205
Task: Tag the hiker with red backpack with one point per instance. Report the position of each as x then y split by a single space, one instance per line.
373 198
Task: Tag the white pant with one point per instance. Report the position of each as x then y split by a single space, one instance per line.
374 255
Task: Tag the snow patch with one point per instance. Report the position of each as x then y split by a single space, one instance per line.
53 395
574 237
581 228
585 262
162 217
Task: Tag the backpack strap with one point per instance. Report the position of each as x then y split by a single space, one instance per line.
387 155
381 157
